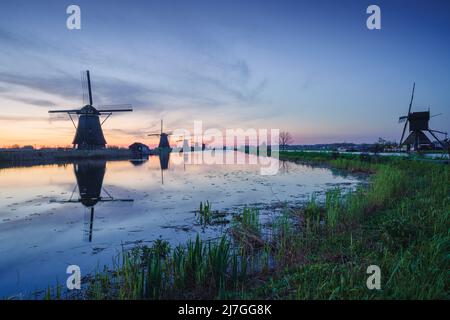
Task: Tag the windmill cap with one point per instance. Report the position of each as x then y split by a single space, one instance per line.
88 109
420 115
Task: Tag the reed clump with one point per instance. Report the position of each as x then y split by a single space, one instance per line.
246 229
206 216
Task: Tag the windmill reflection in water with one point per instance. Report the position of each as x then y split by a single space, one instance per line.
164 159
89 176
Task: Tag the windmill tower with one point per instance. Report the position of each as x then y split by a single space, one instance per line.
89 133
164 145
418 125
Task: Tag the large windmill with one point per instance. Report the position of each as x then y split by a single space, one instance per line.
89 133
164 145
418 124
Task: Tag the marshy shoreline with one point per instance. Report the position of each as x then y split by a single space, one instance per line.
399 222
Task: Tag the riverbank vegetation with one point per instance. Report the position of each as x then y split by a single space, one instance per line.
399 222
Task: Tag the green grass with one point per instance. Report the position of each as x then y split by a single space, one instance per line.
206 216
400 222
246 230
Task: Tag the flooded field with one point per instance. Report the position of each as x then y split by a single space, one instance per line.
53 216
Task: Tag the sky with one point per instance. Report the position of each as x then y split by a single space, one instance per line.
312 68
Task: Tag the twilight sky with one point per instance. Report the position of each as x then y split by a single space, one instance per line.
308 67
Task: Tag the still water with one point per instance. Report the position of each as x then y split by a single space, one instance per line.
53 216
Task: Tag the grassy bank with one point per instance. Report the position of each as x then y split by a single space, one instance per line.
400 222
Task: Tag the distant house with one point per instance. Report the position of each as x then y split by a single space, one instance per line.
139 149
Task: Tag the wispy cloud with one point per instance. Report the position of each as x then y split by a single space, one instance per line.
31 101
221 81
56 85
22 118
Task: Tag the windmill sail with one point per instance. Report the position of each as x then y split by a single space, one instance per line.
89 133
409 112
418 123
164 144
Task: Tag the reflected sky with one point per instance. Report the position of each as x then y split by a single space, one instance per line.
52 216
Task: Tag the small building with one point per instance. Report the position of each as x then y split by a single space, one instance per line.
139 149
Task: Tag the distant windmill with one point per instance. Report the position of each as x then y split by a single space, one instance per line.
164 145
89 133
418 125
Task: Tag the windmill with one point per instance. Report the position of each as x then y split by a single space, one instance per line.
164 145
89 176
418 124
89 133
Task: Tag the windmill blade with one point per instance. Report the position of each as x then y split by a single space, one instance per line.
402 119
116 106
84 87
435 115
117 200
97 199
403 133
88 76
412 98
409 112
72 111
154 134
63 201
158 131
114 110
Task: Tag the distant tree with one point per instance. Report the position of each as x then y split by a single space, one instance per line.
382 145
285 139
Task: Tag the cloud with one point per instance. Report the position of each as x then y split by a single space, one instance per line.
235 90
31 101
106 90
55 85
219 83
21 118
17 40
131 132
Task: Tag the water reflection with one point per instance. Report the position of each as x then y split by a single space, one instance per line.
164 158
89 176
139 162
47 203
